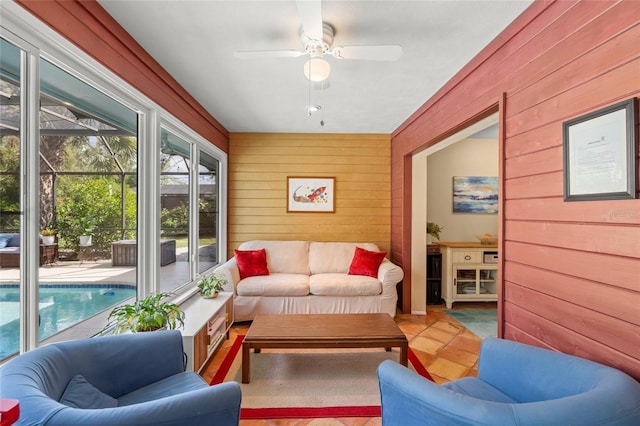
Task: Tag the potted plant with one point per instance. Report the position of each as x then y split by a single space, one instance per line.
210 285
433 229
86 225
48 236
147 314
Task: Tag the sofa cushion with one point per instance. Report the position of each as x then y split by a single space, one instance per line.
4 240
82 394
334 257
274 285
14 241
366 262
251 263
336 284
173 385
289 257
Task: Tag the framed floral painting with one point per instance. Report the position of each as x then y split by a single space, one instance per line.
311 194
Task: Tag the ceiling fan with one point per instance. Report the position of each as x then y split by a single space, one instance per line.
317 39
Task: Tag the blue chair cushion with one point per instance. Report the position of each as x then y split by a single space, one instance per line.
476 388
82 394
172 385
4 240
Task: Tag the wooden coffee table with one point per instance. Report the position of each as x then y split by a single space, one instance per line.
322 331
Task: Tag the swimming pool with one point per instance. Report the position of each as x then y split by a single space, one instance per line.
61 306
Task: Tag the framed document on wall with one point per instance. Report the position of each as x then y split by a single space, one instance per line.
600 153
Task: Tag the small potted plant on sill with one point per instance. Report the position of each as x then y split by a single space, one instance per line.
210 285
433 230
147 314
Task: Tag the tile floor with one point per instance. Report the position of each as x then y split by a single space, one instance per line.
446 348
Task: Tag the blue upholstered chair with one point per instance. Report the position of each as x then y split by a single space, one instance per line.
517 384
131 379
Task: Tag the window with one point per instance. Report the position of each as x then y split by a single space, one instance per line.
92 172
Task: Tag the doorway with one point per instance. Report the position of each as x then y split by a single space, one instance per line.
437 163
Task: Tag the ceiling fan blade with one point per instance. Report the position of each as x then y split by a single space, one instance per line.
310 12
371 53
259 54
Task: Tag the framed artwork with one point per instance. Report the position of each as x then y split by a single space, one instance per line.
475 194
311 194
600 152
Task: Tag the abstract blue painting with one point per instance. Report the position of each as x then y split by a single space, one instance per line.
475 194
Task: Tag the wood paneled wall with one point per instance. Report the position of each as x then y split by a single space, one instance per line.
259 164
571 270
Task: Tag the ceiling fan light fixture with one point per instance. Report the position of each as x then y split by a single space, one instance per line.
316 69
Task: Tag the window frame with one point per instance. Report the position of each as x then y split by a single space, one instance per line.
28 33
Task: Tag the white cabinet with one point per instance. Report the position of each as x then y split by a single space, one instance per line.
206 325
469 273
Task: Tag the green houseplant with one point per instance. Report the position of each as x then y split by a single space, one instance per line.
434 230
210 285
147 314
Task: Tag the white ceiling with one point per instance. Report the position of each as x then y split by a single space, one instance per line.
195 42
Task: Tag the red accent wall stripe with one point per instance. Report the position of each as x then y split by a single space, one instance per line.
570 270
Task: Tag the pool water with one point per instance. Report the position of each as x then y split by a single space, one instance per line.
60 308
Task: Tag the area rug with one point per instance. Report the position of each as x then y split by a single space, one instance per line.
311 383
481 322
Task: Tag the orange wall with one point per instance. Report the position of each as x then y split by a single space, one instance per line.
87 25
259 164
571 270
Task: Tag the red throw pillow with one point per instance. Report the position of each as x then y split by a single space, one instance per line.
251 262
366 262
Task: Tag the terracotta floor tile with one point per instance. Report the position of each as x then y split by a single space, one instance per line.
411 328
438 334
448 326
459 356
424 357
467 343
447 369
426 344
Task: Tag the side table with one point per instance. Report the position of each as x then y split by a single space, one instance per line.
48 253
9 411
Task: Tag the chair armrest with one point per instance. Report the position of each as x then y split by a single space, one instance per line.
213 405
410 399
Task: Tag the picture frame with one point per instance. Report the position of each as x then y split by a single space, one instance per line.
310 194
475 194
599 154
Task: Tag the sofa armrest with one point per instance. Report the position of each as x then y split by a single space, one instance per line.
229 270
389 275
211 405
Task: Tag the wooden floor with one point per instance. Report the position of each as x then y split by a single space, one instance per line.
447 349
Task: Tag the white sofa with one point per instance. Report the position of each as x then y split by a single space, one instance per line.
310 277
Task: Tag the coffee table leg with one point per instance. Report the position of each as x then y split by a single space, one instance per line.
246 366
404 353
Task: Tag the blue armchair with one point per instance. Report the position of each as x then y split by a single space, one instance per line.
131 379
517 384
